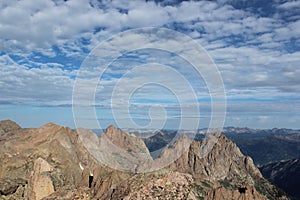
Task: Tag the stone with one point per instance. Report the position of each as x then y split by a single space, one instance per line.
10 186
40 182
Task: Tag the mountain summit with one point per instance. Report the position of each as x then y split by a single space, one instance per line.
125 141
8 128
57 159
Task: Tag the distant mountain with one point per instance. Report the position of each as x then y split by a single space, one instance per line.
159 141
284 174
263 145
53 162
248 132
291 137
271 148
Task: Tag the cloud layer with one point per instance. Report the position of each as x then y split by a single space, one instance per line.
254 44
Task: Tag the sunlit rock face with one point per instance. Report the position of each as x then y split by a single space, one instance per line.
40 182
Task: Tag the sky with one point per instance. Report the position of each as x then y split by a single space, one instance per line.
48 46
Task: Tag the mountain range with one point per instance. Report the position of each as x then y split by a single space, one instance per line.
56 162
264 146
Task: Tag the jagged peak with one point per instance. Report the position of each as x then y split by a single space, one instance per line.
124 140
221 143
111 131
111 127
222 140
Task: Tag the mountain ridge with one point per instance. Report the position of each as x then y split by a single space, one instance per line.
74 172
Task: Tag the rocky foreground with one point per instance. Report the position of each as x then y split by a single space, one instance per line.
51 162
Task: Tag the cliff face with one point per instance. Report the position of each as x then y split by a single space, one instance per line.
224 161
224 170
40 182
60 160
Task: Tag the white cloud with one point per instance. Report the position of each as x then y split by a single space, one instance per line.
35 85
290 5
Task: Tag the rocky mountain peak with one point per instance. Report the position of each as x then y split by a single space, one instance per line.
50 127
110 128
8 128
125 141
225 167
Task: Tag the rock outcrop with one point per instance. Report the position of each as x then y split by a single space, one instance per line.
58 146
40 182
246 193
78 194
13 188
173 185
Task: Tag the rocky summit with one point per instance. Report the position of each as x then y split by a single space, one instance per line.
54 162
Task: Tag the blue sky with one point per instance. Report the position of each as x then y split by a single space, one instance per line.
255 45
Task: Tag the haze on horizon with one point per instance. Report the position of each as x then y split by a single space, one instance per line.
255 45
